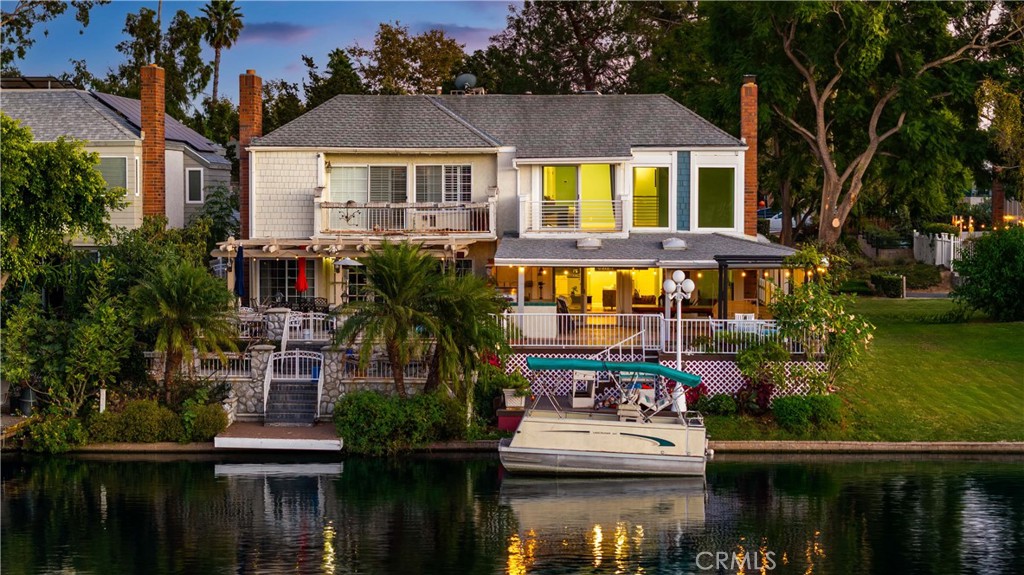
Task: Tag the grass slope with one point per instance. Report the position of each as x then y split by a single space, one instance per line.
921 381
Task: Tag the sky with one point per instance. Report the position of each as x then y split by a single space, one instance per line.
275 36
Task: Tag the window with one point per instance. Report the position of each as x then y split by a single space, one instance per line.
366 184
444 184
194 181
277 279
461 267
355 284
650 197
114 172
716 199
580 197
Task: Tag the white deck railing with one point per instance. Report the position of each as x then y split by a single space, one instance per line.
571 215
210 365
415 218
308 327
580 330
644 332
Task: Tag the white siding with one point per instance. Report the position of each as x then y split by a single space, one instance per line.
284 187
131 215
174 188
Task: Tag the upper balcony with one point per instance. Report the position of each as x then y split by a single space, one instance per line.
475 220
571 216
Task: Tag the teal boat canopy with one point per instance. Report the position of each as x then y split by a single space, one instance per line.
548 363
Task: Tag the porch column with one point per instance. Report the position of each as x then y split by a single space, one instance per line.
520 298
723 290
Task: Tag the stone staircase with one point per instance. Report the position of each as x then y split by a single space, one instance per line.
291 404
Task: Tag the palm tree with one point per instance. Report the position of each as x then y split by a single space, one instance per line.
395 314
223 22
189 309
468 328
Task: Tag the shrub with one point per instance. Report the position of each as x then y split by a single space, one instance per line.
887 284
992 272
209 420
54 433
825 410
105 427
857 287
145 421
695 394
793 413
763 369
935 228
376 424
721 404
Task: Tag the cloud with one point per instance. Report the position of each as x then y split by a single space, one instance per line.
275 32
475 38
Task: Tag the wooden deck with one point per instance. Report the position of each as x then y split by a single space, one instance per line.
245 435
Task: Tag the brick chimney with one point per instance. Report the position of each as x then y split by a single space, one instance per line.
154 190
998 201
748 131
250 125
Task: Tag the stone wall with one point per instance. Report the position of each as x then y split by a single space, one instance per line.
247 395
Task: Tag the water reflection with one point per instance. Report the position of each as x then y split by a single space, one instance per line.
429 515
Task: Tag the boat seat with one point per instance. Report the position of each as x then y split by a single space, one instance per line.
584 385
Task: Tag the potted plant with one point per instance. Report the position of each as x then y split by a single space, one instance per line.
515 389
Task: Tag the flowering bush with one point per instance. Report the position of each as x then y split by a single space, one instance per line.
816 318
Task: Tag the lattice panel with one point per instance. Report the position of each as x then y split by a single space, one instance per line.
558 380
724 377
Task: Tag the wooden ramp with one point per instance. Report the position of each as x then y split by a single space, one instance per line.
320 437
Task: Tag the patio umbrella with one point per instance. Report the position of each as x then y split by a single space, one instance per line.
240 273
300 282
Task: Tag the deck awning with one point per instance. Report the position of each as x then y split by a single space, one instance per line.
654 250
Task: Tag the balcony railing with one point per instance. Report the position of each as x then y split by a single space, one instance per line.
699 336
418 218
571 215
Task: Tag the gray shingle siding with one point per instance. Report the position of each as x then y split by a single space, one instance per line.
683 191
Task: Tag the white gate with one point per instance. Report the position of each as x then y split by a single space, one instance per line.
295 366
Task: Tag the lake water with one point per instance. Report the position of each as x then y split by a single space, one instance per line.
463 515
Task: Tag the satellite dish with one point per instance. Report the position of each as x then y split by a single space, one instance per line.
465 81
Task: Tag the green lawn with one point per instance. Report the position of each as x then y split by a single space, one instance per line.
921 381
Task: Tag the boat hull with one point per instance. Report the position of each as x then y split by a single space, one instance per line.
596 444
573 462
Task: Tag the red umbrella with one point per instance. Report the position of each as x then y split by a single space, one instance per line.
300 281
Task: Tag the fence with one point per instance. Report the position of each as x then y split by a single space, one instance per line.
941 249
208 365
580 330
295 366
308 326
724 336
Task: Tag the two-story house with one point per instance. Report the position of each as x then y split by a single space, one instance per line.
577 203
164 166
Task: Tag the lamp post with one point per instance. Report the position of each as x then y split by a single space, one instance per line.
678 288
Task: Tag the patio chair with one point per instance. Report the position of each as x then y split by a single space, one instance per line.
566 323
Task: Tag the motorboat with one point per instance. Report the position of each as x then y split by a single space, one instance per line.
642 428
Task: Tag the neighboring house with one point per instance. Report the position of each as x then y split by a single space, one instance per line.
134 138
581 203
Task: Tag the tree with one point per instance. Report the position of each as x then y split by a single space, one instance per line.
565 47
51 192
466 309
395 315
223 22
339 78
178 52
849 74
992 268
19 21
1002 108
189 309
281 103
402 64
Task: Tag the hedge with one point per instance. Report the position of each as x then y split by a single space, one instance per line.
887 284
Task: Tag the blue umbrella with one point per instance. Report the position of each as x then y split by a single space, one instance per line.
240 272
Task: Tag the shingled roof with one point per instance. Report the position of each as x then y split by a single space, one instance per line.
51 114
641 250
350 121
587 126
